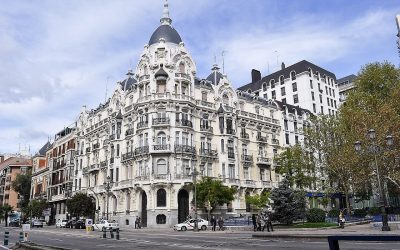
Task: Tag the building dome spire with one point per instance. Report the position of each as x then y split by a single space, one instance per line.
166 20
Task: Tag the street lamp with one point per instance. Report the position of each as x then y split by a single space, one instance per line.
194 174
375 149
107 186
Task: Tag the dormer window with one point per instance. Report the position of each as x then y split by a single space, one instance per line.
161 86
272 82
293 75
182 68
264 86
281 80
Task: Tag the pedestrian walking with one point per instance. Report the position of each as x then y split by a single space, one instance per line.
258 219
213 223
253 218
341 220
269 223
136 222
221 224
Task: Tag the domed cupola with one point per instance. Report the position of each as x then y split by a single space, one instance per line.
165 30
161 74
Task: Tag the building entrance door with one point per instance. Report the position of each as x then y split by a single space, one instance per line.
144 209
183 205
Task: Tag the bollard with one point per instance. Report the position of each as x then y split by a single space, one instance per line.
112 233
117 234
6 237
104 234
21 236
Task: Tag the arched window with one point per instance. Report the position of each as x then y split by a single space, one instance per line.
272 82
293 75
317 73
161 198
182 67
161 219
249 91
281 80
161 166
225 99
264 86
161 138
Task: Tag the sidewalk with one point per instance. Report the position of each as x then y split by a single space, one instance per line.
365 229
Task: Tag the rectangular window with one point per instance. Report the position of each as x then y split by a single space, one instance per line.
296 139
314 108
322 110
209 170
312 96
273 94
320 98
285 122
177 137
231 171
327 101
262 174
80 183
204 96
311 84
284 100
294 86
246 173
287 138
335 104
117 174
283 92
265 96
295 98
326 90
223 170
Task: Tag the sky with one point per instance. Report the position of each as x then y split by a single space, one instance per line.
58 55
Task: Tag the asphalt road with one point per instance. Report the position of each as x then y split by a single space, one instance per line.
169 239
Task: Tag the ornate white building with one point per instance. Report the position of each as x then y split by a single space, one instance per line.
160 125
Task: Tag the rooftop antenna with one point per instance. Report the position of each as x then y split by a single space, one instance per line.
223 61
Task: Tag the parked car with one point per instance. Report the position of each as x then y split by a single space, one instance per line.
61 223
189 225
104 225
37 223
80 224
14 223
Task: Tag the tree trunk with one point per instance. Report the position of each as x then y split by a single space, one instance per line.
347 201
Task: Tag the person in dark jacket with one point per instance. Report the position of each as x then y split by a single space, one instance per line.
213 223
253 218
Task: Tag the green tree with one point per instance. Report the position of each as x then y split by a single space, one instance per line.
295 163
22 185
213 193
258 201
35 208
375 104
288 205
81 205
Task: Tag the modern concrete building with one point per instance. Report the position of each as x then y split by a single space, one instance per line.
345 85
9 169
302 84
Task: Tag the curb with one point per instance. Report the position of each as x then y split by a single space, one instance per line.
297 236
33 246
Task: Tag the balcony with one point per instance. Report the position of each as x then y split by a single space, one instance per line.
142 178
227 108
184 123
183 177
141 150
143 124
266 183
182 76
244 136
160 121
162 147
249 183
275 142
247 158
263 160
207 129
208 152
231 155
230 131
129 132
185 149
164 177
205 104
94 167
262 139
127 156
233 181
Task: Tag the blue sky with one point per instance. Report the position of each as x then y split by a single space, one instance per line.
56 56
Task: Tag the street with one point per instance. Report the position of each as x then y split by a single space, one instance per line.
169 239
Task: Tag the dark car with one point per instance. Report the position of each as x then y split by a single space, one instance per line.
70 224
14 223
80 224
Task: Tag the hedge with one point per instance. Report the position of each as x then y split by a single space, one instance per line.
315 215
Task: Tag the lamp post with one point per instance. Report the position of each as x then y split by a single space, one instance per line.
107 186
194 174
375 149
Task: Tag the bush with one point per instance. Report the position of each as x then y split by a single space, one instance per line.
315 215
374 211
359 212
334 212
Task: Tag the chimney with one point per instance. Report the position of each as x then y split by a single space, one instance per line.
255 75
283 65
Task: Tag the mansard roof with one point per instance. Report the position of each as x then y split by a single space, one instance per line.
292 108
44 149
299 67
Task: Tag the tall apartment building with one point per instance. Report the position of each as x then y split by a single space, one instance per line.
60 159
302 84
9 169
345 85
40 172
161 125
